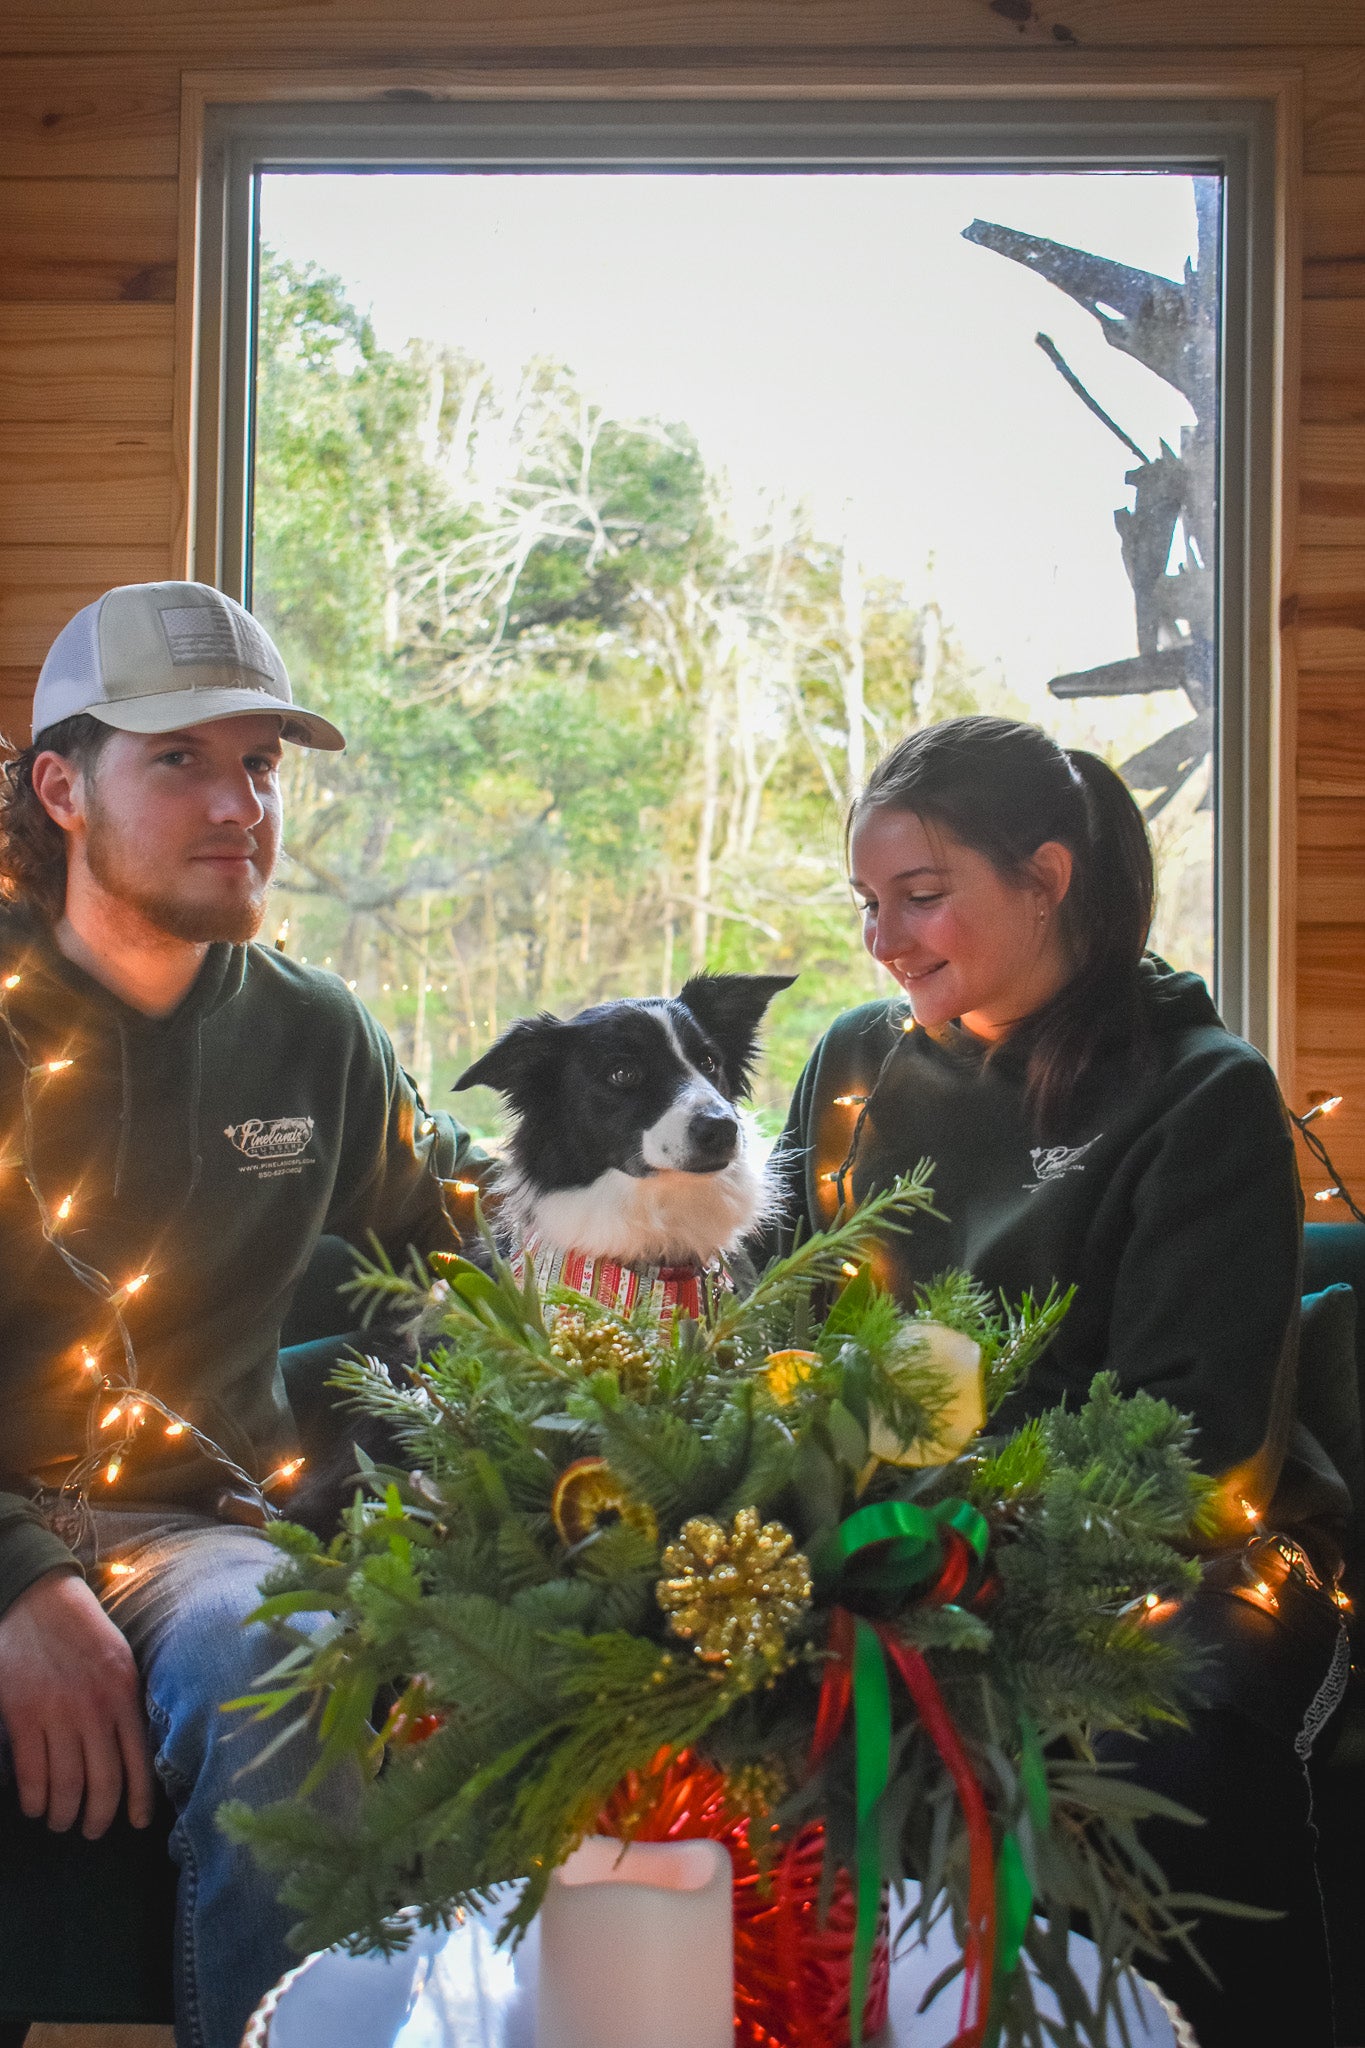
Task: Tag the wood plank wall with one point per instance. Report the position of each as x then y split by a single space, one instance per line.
89 163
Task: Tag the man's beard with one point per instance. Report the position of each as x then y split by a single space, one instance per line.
198 923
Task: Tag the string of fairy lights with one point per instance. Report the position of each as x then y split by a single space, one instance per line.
1336 1190
120 1405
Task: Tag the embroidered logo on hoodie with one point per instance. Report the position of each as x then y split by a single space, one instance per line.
272 1146
1050 1162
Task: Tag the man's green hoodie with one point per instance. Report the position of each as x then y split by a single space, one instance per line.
1171 1202
209 1150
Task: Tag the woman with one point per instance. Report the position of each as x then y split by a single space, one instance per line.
1091 1121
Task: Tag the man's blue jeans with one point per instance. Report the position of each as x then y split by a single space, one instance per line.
181 1607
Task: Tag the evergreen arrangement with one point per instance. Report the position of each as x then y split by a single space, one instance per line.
784 1540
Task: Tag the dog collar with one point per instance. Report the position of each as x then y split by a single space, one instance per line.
661 1291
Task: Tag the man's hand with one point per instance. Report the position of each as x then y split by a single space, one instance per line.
71 1704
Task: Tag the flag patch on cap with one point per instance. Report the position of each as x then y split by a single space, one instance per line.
201 633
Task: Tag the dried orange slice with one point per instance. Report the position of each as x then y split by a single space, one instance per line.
588 1498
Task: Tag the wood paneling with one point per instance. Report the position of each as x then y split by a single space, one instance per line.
88 238
41 587
1334 112
1331 725
1332 340
87 484
1331 988
16 702
1331 885
1334 235
1332 486
684 26
1330 617
102 364
1330 824
108 120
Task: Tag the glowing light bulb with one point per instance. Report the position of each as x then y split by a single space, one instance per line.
1323 1108
89 1361
112 1470
136 1413
1263 1589
1326 1194
118 1570
849 1270
13 980
1342 1600
57 1066
64 1208
133 1286
908 1025
108 1421
281 1476
849 1101
1252 1514
175 1428
1152 1600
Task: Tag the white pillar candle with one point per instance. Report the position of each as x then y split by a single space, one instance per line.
637 1948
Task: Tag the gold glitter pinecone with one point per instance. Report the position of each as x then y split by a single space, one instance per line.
734 1593
600 1343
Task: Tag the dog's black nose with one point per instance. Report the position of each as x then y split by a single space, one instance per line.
711 1135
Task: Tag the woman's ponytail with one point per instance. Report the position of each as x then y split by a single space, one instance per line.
1105 918
1004 789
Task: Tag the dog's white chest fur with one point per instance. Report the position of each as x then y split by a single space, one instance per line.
665 1217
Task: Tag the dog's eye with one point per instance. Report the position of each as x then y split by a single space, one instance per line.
624 1077
707 1063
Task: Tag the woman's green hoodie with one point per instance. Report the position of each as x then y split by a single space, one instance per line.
208 1149
1171 1202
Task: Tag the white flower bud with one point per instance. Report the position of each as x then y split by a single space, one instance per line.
956 1360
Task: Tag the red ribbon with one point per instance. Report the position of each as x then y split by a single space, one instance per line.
978 1952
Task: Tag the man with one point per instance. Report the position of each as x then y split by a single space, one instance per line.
186 1114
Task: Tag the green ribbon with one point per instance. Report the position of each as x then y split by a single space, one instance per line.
1014 1896
872 1772
908 1542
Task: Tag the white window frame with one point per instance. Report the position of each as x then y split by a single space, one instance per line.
1238 139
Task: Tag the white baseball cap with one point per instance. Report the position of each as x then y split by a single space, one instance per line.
152 657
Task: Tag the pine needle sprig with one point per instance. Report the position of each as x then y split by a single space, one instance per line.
820 1260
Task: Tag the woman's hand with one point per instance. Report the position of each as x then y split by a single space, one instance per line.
71 1704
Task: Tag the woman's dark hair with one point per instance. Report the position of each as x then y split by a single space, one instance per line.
1004 789
32 845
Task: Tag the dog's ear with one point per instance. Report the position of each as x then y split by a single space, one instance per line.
729 1009
524 1048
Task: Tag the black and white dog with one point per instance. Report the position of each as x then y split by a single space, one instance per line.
627 1141
627 1156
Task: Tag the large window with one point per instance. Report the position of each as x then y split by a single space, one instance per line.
624 501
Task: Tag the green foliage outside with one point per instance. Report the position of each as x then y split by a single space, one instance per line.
599 736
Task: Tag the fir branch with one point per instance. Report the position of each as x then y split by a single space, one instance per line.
820 1259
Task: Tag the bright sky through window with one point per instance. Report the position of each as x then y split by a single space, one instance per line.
828 338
